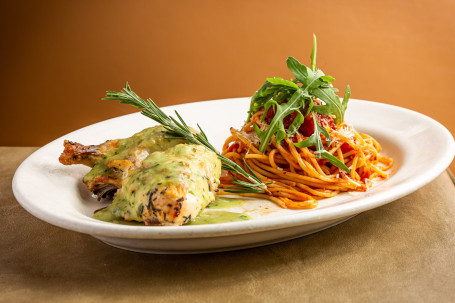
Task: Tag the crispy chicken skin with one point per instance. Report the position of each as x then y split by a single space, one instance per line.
153 179
89 155
76 153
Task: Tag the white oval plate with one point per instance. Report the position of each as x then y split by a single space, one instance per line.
421 147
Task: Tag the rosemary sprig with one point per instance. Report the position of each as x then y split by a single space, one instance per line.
177 128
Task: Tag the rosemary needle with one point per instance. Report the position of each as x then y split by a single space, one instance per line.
178 129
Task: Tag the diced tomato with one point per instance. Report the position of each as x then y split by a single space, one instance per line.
287 121
269 115
366 175
321 161
345 147
233 146
307 127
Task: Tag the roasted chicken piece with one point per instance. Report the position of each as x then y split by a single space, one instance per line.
113 160
154 180
170 188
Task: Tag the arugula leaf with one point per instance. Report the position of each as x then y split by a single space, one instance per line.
282 82
297 69
309 78
264 94
276 125
313 81
315 140
278 89
332 104
313 53
327 78
332 159
267 106
295 125
347 95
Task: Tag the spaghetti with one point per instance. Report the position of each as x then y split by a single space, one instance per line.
296 178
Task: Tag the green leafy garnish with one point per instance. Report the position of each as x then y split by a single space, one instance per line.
313 84
313 54
315 140
269 91
276 126
282 82
178 129
297 95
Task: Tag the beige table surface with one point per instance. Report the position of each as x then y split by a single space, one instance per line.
400 252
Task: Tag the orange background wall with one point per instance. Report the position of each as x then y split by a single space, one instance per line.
59 57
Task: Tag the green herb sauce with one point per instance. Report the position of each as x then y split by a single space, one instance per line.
222 202
193 166
206 217
107 216
218 216
151 139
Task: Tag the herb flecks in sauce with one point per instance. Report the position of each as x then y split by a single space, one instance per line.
223 202
107 216
206 217
218 216
135 147
185 172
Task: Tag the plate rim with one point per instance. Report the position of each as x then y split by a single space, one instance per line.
105 229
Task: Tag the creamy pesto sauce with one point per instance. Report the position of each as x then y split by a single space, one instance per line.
223 202
189 166
206 217
218 216
168 162
151 139
106 215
